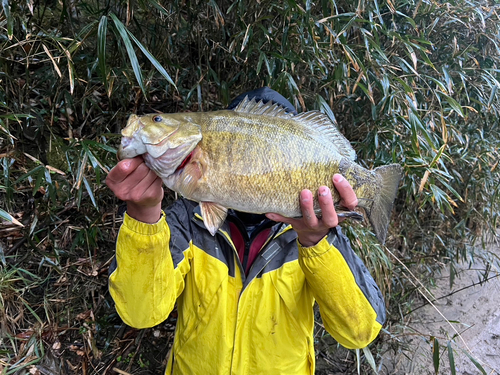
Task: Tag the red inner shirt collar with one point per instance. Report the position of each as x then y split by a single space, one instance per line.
254 248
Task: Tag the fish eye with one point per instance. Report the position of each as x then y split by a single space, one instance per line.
157 118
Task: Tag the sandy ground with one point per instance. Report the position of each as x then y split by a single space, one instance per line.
474 312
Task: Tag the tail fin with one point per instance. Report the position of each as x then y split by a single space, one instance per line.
379 213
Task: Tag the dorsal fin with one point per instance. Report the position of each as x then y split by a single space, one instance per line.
312 120
260 108
323 125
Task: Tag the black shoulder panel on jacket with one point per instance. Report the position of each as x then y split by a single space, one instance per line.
178 217
265 94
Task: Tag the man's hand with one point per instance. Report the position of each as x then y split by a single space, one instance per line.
310 229
132 181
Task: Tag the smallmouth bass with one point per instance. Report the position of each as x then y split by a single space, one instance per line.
256 158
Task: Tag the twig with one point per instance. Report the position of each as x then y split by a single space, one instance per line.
452 293
121 371
139 341
422 286
16 246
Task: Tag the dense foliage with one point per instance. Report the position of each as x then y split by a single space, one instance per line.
409 82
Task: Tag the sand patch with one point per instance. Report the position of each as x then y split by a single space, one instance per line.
474 310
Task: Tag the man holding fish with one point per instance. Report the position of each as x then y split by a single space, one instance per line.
245 283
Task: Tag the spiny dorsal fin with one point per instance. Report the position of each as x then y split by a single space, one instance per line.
313 120
260 108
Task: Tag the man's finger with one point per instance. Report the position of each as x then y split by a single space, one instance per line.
124 168
348 197
280 218
307 208
141 189
328 214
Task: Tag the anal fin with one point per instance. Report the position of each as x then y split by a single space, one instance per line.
213 216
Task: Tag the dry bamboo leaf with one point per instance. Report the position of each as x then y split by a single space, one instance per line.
52 59
424 180
58 171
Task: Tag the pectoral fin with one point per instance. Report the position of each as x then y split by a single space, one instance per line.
190 176
213 216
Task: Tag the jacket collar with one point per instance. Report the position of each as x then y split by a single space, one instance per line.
225 226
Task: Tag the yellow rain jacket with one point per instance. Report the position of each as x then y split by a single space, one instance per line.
232 323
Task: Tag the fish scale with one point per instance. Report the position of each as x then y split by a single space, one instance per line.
256 159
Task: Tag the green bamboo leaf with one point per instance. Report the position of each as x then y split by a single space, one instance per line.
91 157
375 45
406 87
39 179
6 216
377 10
101 48
325 108
454 105
10 19
348 25
91 193
448 80
452 359
269 66
153 60
438 156
384 82
16 116
159 7
82 34
441 199
32 312
3 260
440 84
262 56
475 362
292 85
435 354
366 91
419 128
370 359
492 96
100 145
34 171
130 51
48 177
408 65
450 188
409 19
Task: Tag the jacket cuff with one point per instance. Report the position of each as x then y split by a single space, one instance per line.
322 247
145 228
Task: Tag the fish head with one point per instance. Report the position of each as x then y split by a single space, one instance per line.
164 140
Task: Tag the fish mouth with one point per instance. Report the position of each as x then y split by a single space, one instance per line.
122 150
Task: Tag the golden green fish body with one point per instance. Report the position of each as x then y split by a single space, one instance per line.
259 164
255 159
